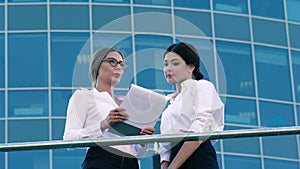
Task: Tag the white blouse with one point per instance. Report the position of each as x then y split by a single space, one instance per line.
86 110
197 108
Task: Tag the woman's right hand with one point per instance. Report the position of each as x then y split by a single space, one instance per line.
115 115
164 165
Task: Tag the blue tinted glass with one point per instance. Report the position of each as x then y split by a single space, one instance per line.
29 159
2 105
27 17
272 66
68 158
240 111
264 31
293 11
238 162
28 130
2 159
296 74
113 1
269 8
1 17
203 4
199 20
237 62
60 99
280 164
149 61
68 17
237 29
69 0
235 6
27 60
27 103
2 61
65 47
153 2
2 133
18 1
281 150
58 126
298 114
152 20
294 31
276 114
119 19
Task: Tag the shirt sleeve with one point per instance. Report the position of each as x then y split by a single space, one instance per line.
77 113
165 151
208 108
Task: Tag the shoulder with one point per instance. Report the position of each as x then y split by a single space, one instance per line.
205 83
82 93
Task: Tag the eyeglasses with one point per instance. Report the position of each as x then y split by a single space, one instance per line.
113 62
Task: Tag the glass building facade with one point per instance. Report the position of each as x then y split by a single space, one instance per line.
250 50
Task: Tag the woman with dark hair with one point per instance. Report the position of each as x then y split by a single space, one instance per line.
91 113
195 107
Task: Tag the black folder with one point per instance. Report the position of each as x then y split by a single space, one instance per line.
124 129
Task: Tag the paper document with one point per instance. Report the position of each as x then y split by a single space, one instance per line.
144 108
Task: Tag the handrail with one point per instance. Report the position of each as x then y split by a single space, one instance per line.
60 144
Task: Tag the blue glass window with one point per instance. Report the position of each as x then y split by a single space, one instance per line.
68 158
237 29
294 31
28 130
298 114
69 17
187 21
2 133
153 2
235 6
296 74
29 159
203 4
119 19
237 62
58 127
27 60
2 17
18 1
122 42
2 61
28 103
269 8
69 1
2 105
152 20
240 111
238 162
293 10
2 159
113 1
280 164
149 61
276 114
65 48
281 150
27 17
264 31
60 100
235 146
273 74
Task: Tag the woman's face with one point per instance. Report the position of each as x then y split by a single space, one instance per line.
175 69
109 74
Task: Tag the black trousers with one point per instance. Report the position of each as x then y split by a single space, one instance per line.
108 158
204 157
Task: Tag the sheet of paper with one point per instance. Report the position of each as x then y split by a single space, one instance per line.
144 106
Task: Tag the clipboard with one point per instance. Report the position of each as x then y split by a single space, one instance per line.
144 108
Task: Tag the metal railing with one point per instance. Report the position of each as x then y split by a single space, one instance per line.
59 144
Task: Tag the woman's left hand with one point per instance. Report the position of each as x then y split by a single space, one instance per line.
147 131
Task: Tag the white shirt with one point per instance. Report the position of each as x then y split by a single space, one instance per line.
197 108
86 110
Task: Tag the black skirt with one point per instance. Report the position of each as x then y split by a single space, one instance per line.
203 158
108 158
